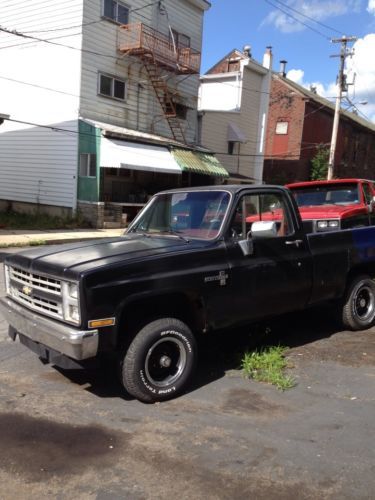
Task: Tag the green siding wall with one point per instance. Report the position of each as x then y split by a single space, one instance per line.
89 142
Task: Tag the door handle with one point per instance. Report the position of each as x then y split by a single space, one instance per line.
296 243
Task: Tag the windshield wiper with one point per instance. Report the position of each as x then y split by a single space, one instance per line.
174 232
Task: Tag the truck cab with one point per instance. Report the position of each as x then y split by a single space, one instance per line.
335 204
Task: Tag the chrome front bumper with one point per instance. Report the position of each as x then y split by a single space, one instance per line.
75 343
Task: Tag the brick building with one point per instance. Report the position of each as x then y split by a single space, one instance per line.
299 121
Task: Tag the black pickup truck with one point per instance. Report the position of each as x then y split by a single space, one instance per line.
193 261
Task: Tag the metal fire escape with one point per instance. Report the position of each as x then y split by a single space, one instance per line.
159 54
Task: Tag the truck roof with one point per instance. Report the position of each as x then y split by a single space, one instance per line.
231 188
326 182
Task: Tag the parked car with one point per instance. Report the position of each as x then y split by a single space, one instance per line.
335 204
194 261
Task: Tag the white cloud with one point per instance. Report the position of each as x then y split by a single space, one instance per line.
362 65
297 76
371 6
319 10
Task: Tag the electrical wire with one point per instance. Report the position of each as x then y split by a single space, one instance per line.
296 19
91 22
63 130
308 17
26 35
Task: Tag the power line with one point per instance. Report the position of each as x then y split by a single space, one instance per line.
19 34
91 22
296 19
63 130
308 17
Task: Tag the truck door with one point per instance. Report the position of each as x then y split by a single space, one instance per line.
277 276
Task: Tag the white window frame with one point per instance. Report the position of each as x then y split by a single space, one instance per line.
87 157
282 128
115 19
112 91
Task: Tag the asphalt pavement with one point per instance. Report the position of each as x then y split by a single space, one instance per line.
76 434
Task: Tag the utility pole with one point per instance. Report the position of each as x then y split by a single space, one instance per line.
342 87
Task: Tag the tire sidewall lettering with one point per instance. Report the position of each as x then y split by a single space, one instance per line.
180 335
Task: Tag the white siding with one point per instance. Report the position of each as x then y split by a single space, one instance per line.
141 109
254 87
39 84
221 94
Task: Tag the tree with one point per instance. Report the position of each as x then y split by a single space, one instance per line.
319 164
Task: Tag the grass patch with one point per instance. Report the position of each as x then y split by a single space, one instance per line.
268 365
14 220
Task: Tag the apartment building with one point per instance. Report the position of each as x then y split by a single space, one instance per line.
102 98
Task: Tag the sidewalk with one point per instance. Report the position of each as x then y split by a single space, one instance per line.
24 237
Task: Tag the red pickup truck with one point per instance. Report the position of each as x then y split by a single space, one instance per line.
335 204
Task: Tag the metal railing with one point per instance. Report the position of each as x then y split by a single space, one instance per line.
144 41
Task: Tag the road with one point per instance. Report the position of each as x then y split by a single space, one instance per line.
75 434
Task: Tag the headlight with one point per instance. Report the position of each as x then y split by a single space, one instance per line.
327 225
70 302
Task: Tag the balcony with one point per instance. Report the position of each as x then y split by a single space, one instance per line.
155 47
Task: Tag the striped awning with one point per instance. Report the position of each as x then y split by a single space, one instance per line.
198 162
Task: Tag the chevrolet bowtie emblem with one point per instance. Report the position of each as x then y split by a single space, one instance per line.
27 290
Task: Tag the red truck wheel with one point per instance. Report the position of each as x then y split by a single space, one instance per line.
160 361
358 311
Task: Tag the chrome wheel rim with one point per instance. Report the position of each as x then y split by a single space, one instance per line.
364 303
165 361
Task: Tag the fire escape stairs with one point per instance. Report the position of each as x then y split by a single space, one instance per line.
165 98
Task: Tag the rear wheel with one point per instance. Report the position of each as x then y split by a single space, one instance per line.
160 361
358 312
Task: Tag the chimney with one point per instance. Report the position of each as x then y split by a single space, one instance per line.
247 51
267 58
282 68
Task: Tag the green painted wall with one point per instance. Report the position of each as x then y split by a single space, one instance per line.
89 142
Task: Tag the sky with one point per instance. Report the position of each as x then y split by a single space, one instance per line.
300 32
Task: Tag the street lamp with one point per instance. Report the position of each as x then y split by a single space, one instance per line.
3 117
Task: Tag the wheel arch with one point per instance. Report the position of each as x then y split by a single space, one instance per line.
137 311
365 269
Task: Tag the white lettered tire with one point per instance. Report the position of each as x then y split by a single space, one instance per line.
160 361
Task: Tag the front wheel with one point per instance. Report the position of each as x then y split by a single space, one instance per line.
358 312
160 360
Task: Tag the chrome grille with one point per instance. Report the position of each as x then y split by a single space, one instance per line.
35 281
39 293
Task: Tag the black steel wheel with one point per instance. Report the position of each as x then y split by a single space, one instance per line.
160 361
358 311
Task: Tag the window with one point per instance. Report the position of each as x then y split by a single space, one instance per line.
282 128
233 148
181 110
110 86
182 41
116 11
261 207
87 165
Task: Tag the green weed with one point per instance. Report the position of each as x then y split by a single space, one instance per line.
15 220
268 365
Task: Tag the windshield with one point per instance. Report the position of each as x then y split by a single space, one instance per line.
193 214
331 194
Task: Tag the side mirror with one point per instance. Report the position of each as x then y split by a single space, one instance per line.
246 246
260 229
264 229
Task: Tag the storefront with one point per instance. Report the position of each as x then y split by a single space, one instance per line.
121 169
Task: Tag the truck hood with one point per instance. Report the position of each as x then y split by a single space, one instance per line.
70 260
330 211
